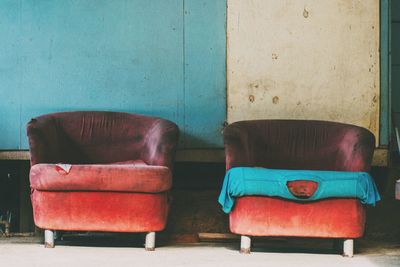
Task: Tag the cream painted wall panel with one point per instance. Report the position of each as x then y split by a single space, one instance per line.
304 59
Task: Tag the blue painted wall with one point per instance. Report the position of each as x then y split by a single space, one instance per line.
205 72
155 57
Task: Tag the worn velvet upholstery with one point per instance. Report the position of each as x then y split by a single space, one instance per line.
119 175
100 211
302 145
101 177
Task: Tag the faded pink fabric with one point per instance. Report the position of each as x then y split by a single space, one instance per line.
301 145
101 171
100 211
101 177
298 144
268 216
87 137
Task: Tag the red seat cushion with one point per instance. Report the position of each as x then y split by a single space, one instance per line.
117 177
267 216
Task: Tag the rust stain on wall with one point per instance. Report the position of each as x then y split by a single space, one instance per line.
305 13
251 98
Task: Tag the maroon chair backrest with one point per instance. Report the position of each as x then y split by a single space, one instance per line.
298 144
98 137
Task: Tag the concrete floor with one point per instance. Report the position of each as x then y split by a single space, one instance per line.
184 255
103 251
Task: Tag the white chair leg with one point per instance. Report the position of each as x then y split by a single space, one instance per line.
150 242
48 239
348 248
245 244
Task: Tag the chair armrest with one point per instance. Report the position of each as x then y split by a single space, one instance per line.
356 150
43 141
238 149
161 143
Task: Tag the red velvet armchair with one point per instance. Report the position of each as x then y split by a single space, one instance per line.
101 171
302 145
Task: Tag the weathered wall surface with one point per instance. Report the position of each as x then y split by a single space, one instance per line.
157 57
396 59
304 59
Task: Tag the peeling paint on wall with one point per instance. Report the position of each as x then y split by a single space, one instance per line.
304 60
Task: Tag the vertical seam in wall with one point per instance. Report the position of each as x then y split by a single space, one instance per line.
387 76
20 82
384 119
389 25
184 73
380 57
226 62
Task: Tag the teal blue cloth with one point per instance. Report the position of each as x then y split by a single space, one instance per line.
244 181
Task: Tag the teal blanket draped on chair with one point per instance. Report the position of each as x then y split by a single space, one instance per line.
244 181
